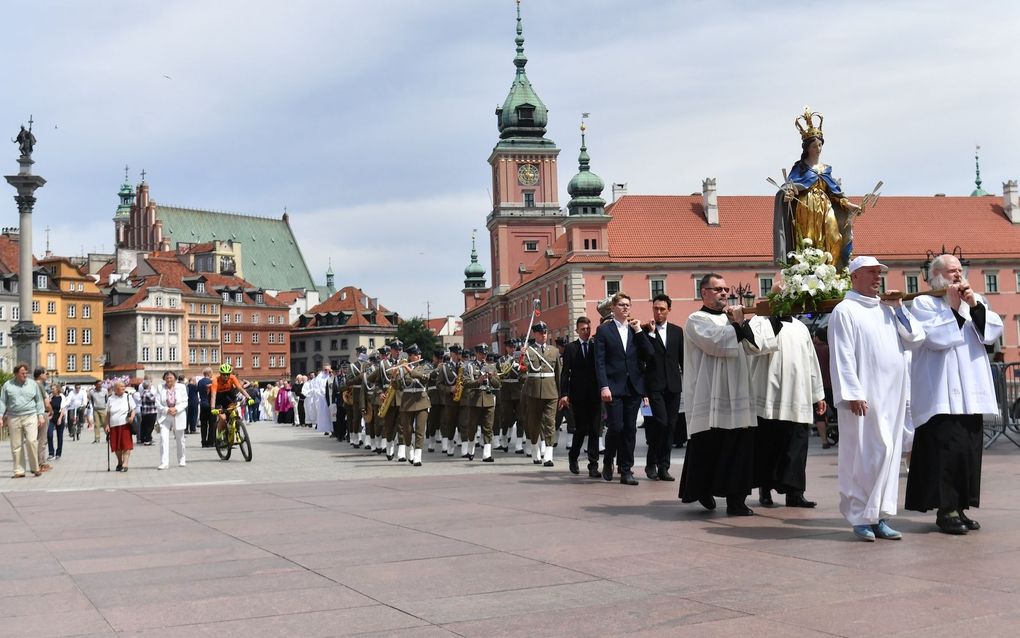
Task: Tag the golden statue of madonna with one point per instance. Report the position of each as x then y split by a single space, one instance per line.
811 204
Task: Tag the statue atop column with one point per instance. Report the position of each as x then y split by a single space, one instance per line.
25 140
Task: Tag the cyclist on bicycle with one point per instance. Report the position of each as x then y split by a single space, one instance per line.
222 392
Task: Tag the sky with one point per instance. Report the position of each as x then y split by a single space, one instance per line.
371 122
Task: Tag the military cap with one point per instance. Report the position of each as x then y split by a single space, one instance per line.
397 344
482 347
456 349
361 349
540 327
384 350
413 349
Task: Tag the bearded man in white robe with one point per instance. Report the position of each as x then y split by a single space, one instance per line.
718 399
951 388
868 338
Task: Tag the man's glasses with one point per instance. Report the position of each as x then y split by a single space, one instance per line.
717 289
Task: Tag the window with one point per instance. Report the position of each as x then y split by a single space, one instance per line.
2 336
51 360
255 362
173 325
229 360
271 338
371 342
35 306
191 307
240 361
72 311
86 336
200 287
51 334
145 324
226 297
15 313
657 286
81 287
159 353
272 361
302 345
343 344
159 301
280 338
145 354
912 284
205 355
991 282
192 355
86 311
529 199
72 336
883 284
764 286
51 307
237 317
2 309
214 332
332 344
215 354
173 302
86 362
282 361
254 337
193 329
226 318
531 246
42 281
227 337
254 317
160 324
173 353
72 363
612 287
260 298
204 308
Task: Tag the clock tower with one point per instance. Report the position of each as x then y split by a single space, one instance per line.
525 213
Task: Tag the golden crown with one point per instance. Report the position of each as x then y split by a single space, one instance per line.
809 120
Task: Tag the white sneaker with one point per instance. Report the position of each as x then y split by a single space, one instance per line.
162 467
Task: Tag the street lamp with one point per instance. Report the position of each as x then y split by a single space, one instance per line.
744 294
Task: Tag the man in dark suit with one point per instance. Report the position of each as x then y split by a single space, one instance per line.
663 384
579 393
619 354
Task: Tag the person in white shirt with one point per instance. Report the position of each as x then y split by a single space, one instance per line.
867 341
172 416
951 387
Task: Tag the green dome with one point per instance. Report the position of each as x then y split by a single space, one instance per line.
474 270
585 188
126 194
523 113
474 274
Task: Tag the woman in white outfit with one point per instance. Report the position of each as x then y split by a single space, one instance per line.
172 416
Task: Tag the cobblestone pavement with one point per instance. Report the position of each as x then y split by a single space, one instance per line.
315 539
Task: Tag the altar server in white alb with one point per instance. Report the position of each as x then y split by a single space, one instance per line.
315 394
718 398
868 339
788 392
951 388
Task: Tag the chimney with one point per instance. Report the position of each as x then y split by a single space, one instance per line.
709 202
1011 201
619 190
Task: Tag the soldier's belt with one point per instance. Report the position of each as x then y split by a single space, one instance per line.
511 380
541 375
414 390
432 387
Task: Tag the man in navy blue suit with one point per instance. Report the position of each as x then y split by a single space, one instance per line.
620 353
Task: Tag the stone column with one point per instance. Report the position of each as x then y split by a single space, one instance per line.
25 335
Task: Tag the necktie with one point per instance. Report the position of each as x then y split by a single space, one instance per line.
584 349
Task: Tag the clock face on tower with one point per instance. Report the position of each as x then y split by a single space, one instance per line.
527 174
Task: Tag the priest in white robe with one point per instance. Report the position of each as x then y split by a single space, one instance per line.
718 399
788 392
315 393
951 388
868 338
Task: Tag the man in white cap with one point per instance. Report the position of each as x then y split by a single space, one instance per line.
868 338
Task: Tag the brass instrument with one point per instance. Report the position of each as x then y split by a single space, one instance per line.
348 396
458 386
387 400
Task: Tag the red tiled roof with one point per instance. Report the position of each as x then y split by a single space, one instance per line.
436 325
349 299
167 264
10 254
289 296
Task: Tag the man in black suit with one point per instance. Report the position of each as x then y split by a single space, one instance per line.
663 384
579 393
620 352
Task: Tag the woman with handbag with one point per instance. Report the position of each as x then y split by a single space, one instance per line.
172 416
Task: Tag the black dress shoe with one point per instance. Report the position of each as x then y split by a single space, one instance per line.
471 457
951 525
536 461
971 524
593 472
548 464
652 476
798 500
708 502
607 472
519 452
488 459
765 498
739 510
574 468
627 478
664 475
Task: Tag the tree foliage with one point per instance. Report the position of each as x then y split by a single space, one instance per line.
416 330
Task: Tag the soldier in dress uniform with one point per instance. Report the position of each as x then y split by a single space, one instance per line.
435 400
447 382
373 440
509 396
355 382
481 382
412 378
541 394
383 377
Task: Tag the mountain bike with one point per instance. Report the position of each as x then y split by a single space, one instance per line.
235 433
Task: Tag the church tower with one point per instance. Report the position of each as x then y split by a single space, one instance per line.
474 280
123 214
525 211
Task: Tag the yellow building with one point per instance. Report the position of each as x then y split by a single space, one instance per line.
68 308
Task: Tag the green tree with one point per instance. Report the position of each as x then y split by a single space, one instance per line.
416 330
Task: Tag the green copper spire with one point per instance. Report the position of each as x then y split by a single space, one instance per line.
474 274
978 192
126 194
523 114
329 277
585 188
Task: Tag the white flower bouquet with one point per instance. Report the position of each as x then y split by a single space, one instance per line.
809 278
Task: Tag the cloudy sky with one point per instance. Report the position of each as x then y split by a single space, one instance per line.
371 121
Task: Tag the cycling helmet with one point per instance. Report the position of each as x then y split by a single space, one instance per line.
226 369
